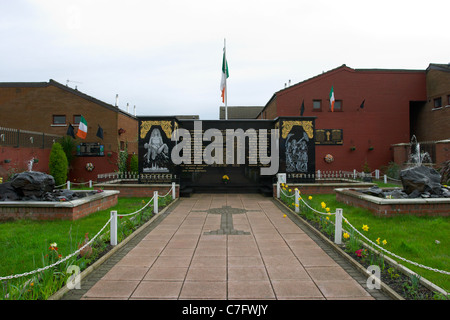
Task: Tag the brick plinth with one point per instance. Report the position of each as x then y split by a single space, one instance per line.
130 190
46 210
393 207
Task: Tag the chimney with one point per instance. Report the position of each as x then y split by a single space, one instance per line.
128 108
117 100
135 111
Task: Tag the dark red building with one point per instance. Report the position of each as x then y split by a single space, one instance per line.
371 112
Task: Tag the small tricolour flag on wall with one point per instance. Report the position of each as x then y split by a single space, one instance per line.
332 99
225 75
82 128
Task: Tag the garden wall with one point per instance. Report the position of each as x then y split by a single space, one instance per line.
67 210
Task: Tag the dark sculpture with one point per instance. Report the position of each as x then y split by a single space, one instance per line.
36 186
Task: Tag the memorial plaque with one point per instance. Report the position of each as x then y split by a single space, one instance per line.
216 152
329 136
297 149
155 147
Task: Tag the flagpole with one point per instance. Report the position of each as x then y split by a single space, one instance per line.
226 87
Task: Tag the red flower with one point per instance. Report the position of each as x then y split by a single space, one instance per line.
359 252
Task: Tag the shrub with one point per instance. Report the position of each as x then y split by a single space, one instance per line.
69 146
392 170
58 164
134 163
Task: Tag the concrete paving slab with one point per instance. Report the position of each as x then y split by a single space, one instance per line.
180 257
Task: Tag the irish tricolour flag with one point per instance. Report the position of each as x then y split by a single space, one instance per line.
332 99
82 128
225 75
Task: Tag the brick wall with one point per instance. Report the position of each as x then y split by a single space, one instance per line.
139 191
432 123
383 121
39 212
393 207
32 106
14 160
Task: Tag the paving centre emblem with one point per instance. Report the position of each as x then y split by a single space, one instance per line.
226 221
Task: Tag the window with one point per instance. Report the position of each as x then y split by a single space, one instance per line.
59 120
338 105
438 102
317 105
76 119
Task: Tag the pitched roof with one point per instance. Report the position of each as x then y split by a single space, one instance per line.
439 66
65 88
240 112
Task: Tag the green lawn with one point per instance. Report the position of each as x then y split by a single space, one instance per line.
410 237
24 242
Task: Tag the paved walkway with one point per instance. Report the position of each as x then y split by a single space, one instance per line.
225 246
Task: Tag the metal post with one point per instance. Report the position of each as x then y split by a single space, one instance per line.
155 201
297 195
68 185
113 227
338 227
278 189
385 178
174 191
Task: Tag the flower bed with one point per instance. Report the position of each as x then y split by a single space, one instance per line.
58 272
408 286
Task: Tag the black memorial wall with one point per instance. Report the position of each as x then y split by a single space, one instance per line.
201 155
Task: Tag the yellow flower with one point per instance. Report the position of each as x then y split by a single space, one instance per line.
310 198
327 209
328 218
299 198
290 190
378 240
284 216
384 242
346 235
323 204
365 227
296 205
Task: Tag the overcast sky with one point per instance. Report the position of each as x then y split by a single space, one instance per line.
165 56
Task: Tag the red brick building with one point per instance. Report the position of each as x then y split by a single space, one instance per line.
50 107
371 112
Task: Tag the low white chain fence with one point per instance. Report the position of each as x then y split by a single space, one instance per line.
338 229
112 222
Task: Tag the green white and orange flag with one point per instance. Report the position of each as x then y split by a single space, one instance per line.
332 99
225 75
82 128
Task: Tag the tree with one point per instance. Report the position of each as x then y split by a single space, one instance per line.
58 164
134 163
69 146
